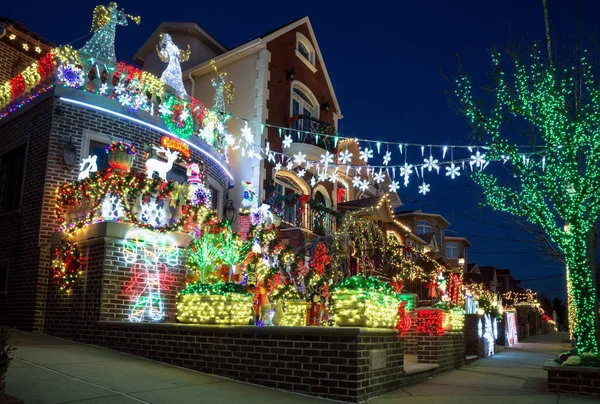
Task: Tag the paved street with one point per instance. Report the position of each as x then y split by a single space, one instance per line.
51 370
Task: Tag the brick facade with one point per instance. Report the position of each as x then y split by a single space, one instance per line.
45 126
447 350
13 61
573 380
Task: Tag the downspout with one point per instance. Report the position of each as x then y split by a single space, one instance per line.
193 83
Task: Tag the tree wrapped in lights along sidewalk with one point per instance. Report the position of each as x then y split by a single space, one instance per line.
557 184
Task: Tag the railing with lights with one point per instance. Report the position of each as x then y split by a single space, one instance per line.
307 128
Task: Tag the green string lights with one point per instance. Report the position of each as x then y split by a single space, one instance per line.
560 190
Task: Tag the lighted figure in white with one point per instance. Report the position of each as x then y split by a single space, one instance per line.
104 25
151 260
169 53
489 340
250 199
161 167
511 329
87 166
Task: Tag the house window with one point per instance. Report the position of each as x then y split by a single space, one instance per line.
214 201
3 278
178 174
12 175
305 51
303 103
451 251
98 149
423 227
283 187
438 235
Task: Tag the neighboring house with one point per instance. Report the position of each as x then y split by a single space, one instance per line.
432 227
19 47
506 282
485 275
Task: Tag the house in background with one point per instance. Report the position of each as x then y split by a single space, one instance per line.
485 275
506 282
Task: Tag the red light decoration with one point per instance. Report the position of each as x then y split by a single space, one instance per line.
404 321
45 65
321 259
429 322
175 144
17 86
455 289
340 195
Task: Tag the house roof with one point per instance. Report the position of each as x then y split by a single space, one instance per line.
487 273
472 267
419 212
455 238
168 26
260 42
23 29
359 203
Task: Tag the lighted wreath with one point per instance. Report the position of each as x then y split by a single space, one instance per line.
66 265
71 75
177 117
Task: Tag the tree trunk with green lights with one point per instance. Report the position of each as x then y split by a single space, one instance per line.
555 182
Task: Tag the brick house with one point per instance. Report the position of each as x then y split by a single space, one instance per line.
281 80
432 227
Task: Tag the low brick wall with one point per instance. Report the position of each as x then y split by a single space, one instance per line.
571 379
410 337
348 364
447 350
473 342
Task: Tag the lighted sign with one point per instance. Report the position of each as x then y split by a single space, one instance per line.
175 144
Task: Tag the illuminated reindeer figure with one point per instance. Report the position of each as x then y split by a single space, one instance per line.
161 167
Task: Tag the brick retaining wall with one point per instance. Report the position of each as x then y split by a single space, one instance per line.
571 379
447 350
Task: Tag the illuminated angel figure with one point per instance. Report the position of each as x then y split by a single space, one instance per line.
104 26
150 275
169 53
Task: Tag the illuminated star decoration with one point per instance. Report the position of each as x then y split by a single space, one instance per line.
387 158
366 154
431 163
299 158
345 157
423 189
379 177
394 186
287 141
453 171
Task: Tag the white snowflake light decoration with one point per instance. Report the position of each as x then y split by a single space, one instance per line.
301 173
366 154
453 171
322 176
290 164
431 163
406 171
394 186
478 159
333 177
299 158
247 133
164 110
313 181
379 177
364 185
184 115
423 189
345 156
287 141
356 182
120 88
112 208
125 99
387 158
326 159
152 214
277 166
103 88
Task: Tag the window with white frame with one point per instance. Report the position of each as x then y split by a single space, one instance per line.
305 51
451 251
284 186
303 103
423 227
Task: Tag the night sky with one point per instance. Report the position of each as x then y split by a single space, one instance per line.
384 59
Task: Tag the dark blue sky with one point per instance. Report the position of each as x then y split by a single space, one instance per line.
384 59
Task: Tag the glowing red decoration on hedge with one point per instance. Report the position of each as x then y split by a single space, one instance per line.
404 321
321 259
17 86
45 66
429 322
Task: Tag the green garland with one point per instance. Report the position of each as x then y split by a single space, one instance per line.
184 131
220 288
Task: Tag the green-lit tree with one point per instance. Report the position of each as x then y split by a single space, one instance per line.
556 183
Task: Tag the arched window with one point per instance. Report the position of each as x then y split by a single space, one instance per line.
306 51
303 103
286 185
423 227
451 251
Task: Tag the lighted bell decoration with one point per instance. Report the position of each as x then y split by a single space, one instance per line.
69 153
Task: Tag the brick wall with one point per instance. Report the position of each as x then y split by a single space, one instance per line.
410 337
12 61
574 380
19 239
473 342
46 125
447 350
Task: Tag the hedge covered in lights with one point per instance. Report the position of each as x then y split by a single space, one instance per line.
361 301
221 303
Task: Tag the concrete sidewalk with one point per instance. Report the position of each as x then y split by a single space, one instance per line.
50 370
513 375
